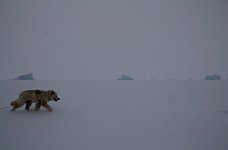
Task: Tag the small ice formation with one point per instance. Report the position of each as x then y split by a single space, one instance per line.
213 77
125 77
25 77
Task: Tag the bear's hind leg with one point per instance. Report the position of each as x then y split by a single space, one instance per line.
17 104
38 105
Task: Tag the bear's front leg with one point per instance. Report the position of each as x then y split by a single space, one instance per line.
48 107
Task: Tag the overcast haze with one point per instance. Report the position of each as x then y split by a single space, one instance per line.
102 39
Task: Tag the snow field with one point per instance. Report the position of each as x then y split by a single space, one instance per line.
123 115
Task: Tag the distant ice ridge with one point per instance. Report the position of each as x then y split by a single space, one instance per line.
125 77
213 77
28 76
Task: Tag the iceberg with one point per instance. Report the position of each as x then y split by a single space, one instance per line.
213 77
25 77
125 77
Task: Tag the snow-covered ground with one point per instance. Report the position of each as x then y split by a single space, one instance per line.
119 115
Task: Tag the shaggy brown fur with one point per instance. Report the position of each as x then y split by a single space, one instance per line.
40 97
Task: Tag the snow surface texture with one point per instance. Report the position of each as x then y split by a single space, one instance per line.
119 115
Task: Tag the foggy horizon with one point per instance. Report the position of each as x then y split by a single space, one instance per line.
102 39
31 76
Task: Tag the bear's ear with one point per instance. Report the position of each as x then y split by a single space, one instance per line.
52 92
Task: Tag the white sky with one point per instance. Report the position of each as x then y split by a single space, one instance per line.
102 39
